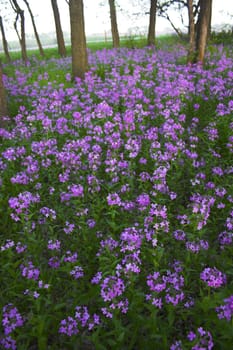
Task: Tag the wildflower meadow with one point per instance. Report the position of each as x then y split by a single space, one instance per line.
116 203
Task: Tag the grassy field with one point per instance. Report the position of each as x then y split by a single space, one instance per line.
130 42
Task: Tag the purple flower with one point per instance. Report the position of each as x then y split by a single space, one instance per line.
54 245
170 284
20 178
111 288
176 346
91 223
77 272
191 336
48 213
83 318
97 278
226 310
217 171
20 248
69 326
9 244
189 303
113 199
22 203
70 257
130 263
225 238
122 305
131 239
30 271
36 295
213 277
106 312
133 145
203 339
8 343
128 119
69 228
155 283
194 247
76 190
43 285
54 262
11 319
179 235
143 201
157 302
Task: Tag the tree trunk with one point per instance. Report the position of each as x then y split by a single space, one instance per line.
59 33
210 21
114 27
191 50
152 21
4 41
3 100
78 39
35 29
22 37
202 29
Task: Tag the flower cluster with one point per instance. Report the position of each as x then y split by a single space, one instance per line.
226 310
21 204
11 319
171 284
200 340
81 320
30 271
213 277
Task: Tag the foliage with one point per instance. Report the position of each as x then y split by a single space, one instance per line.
224 37
116 203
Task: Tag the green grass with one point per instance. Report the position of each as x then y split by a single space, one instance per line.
127 41
131 41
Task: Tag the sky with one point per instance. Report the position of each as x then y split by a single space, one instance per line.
97 18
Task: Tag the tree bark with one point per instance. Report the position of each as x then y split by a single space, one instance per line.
3 100
4 41
152 21
59 32
191 50
21 36
78 39
114 27
202 29
35 29
209 24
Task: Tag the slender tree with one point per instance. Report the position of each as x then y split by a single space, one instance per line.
3 100
114 26
34 28
59 32
203 29
78 39
191 50
4 41
199 14
210 21
21 36
152 21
